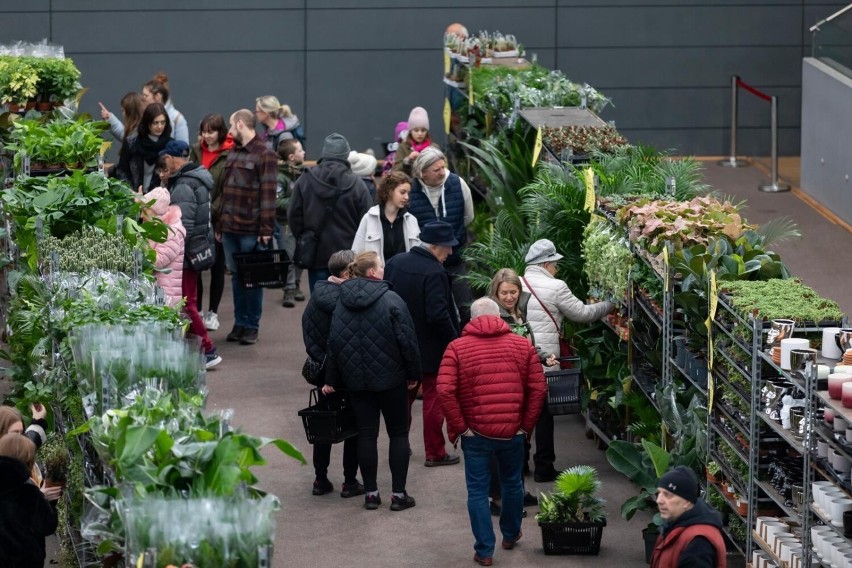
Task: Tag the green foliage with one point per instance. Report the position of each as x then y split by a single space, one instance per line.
73 143
18 79
608 261
630 171
54 458
575 498
781 298
67 204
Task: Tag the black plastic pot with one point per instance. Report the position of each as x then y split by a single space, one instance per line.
650 538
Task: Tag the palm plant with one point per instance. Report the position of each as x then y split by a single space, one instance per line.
575 498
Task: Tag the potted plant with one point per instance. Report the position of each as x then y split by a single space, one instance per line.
712 470
54 457
741 504
572 517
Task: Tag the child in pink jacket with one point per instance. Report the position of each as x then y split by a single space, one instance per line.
169 253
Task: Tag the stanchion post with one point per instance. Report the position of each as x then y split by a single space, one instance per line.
732 161
773 186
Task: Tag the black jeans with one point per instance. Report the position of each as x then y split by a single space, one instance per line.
217 281
545 454
393 405
322 454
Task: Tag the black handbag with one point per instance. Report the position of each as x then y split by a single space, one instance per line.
306 250
200 252
314 371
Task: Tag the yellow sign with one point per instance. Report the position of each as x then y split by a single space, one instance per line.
666 268
446 62
537 147
104 147
714 304
589 179
469 91
447 115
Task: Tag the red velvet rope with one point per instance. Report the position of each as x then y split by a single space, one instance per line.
753 91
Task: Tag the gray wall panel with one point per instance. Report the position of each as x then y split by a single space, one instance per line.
715 142
24 26
679 26
682 67
697 108
360 67
171 5
185 31
385 29
344 97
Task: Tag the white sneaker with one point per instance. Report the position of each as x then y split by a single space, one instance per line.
211 321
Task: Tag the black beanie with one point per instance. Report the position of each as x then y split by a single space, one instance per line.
682 482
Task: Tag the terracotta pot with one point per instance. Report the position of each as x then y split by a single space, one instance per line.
13 107
742 508
30 105
712 478
43 106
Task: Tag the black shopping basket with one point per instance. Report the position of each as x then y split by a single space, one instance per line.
330 421
563 388
262 268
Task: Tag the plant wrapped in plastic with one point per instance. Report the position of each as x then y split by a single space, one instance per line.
116 363
162 444
89 249
229 531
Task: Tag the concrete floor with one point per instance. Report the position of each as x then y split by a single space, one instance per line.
263 385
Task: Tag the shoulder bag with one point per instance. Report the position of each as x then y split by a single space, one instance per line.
201 252
565 351
314 371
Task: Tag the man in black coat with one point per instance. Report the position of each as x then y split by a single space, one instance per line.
418 276
328 201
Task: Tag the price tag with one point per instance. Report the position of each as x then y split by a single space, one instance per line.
447 62
671 186
470 93
537 147
448 113
589 179
666 268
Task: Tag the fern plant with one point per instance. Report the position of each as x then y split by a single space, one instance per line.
575 499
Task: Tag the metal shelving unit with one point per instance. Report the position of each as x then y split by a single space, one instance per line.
762 369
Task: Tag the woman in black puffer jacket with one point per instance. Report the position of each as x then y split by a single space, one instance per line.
316 323
373 353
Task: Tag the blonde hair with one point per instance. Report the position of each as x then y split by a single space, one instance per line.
19 447
504 275
270 105
8 416
363 262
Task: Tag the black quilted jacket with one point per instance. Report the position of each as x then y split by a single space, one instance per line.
316 321
372 345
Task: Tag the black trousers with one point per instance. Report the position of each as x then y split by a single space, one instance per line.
322 453
545 454
217 281
391 404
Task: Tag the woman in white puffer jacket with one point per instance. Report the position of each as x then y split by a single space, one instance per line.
388 228
551 296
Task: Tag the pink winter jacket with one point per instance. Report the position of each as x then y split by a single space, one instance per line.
490 382
170 255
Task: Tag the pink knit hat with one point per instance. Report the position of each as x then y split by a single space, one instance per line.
400 128
160 198
418 118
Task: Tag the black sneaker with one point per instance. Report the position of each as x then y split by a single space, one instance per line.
446 460
372 502
352 490
322 487
545 475
402 503
236 333
249 337
530 500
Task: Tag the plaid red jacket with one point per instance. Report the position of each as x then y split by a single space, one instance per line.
247 205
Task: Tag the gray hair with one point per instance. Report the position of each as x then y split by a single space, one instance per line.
426 158
484 307
339 262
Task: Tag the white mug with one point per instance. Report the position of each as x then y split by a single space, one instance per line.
830 350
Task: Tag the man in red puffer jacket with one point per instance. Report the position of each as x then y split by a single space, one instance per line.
492 388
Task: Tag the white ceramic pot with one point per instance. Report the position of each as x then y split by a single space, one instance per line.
822 448
840 424
830 350
837 507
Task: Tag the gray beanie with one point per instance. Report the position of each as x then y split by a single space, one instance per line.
335 146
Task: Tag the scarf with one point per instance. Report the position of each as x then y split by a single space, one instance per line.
422 145
150 148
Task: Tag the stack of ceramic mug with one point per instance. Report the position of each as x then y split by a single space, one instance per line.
830 501
760 559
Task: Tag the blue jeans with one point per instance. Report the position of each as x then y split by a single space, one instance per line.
248 302
478 451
